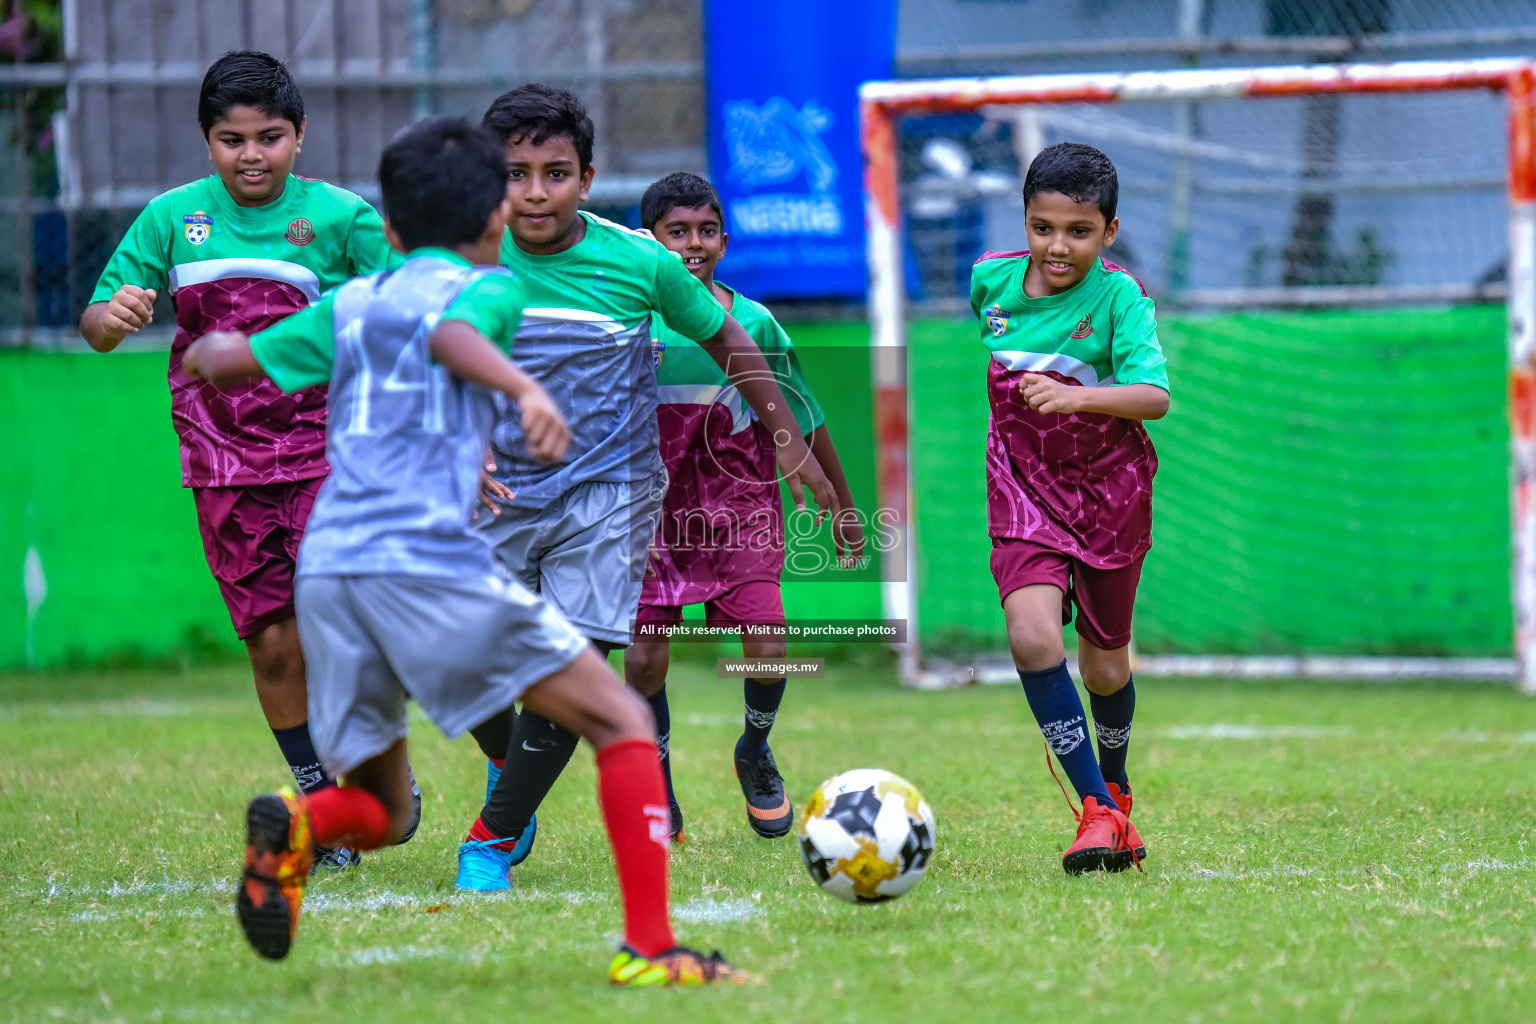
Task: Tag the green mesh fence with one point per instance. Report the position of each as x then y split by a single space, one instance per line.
1330 482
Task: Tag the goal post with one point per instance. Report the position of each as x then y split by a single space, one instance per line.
884 105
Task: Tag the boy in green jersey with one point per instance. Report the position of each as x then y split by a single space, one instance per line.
239 251
578 532
1076 367
720 542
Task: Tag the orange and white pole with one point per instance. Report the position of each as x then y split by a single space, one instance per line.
888 365
1522 371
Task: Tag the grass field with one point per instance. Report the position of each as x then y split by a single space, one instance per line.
1316 853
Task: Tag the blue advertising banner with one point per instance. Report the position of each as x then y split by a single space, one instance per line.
782 81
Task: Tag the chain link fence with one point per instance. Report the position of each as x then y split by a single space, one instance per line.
98 104
98 99
1274 203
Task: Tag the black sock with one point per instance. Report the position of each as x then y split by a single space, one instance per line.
305 764
663 715
494 734
536 754
762 700
1112 725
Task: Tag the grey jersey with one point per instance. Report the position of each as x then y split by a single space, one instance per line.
405 438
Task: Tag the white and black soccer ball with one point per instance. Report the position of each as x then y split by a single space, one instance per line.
866 835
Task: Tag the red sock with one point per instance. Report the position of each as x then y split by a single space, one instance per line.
499 762
478 833
634 803
347 816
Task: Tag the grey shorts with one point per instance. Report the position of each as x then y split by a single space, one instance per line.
463 648
585 552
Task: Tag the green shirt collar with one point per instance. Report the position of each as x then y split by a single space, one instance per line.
440 253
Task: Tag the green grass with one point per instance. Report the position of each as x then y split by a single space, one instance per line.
1355 852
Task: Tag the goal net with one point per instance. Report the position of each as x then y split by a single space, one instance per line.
1342 261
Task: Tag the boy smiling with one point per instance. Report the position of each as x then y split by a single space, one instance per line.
240 250
578 532
1076 366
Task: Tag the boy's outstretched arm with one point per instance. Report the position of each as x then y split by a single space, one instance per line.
847 531
738 355
1129 401
470 355
222 357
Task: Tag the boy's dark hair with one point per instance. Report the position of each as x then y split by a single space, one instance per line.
538 113
1077 171
680 189
248 78
441 178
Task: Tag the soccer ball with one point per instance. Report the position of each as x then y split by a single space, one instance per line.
866 835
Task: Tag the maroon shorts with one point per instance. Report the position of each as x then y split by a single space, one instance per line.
757 602
1104 597
251 537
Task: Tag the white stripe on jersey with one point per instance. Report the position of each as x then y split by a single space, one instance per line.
708 394
561 315
207 271
1035 362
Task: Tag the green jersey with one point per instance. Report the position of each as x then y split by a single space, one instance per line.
585 336
1079 483
237 268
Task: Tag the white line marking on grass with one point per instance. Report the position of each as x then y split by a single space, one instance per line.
110 708
1234 731
706 910
375 955
1379 870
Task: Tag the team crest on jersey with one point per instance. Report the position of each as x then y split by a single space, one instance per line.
997 320
197 227
658 350
300 231
1084 326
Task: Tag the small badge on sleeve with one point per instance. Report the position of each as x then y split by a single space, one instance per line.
197 227
997 320
658 352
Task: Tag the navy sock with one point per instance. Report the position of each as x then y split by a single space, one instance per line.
663 715
1112 725
305 764
762 701
1059 710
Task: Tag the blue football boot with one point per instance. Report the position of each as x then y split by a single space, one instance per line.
485 867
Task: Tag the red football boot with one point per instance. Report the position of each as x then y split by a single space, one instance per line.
1123 801
1102 843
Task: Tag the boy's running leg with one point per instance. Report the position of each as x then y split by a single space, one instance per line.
284 828
645 670
769 811
591 701
768 808
494 736
1112 723
1033 615
1105 601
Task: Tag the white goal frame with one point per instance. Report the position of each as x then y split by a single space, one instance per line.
882 103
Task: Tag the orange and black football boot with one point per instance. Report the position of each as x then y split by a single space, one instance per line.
677 966
1123 801
768 808
278 852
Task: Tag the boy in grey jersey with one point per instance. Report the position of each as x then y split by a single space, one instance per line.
396 597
